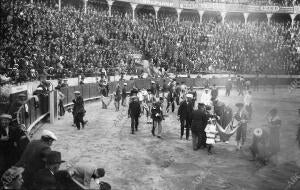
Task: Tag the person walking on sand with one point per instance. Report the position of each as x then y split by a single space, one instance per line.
124 94
185 114
157 116
134 112
199 122
242 117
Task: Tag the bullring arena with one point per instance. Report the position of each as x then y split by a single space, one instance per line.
144 162
87 89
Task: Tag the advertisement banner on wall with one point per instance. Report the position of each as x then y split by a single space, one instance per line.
269 9
161 3
223 7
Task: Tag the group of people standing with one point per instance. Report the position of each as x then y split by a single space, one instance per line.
202 121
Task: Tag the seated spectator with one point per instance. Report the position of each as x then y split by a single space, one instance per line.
12 178
16 105
10 143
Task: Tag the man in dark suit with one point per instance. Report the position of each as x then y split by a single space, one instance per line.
153 88
124 94
134 112
199 122
44 179
117 98
177 91
228 87
194 94
214 92
78 110
185 114
171 99
33 156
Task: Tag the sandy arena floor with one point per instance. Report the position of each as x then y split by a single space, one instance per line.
144 162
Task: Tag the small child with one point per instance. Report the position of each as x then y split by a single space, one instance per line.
211 131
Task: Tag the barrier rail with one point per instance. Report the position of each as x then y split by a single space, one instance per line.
33 111
34 114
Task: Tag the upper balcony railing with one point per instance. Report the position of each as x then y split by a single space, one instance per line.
251 6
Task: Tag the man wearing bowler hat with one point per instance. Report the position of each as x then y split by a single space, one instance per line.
78 110
44 178
33 156
134 112
242 117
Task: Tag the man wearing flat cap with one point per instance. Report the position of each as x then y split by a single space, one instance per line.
34 155
199 122
78 110
45 178
10 143
242 117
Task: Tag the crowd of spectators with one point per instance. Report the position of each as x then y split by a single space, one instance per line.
39 39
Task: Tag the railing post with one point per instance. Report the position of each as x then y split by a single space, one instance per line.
51 106
90 90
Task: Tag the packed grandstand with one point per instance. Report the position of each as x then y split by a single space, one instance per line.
37 38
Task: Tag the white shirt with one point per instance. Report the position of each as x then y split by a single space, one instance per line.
140 96
247 99
205 98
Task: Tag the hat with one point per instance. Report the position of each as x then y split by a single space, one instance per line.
208 108
5 116
54 157
11 174
152 82
100 172
21 95
76 92
125 84
47 133
189 96
273 110
39 88
104 186
201 104
239 105
206 89
258 132
211 119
